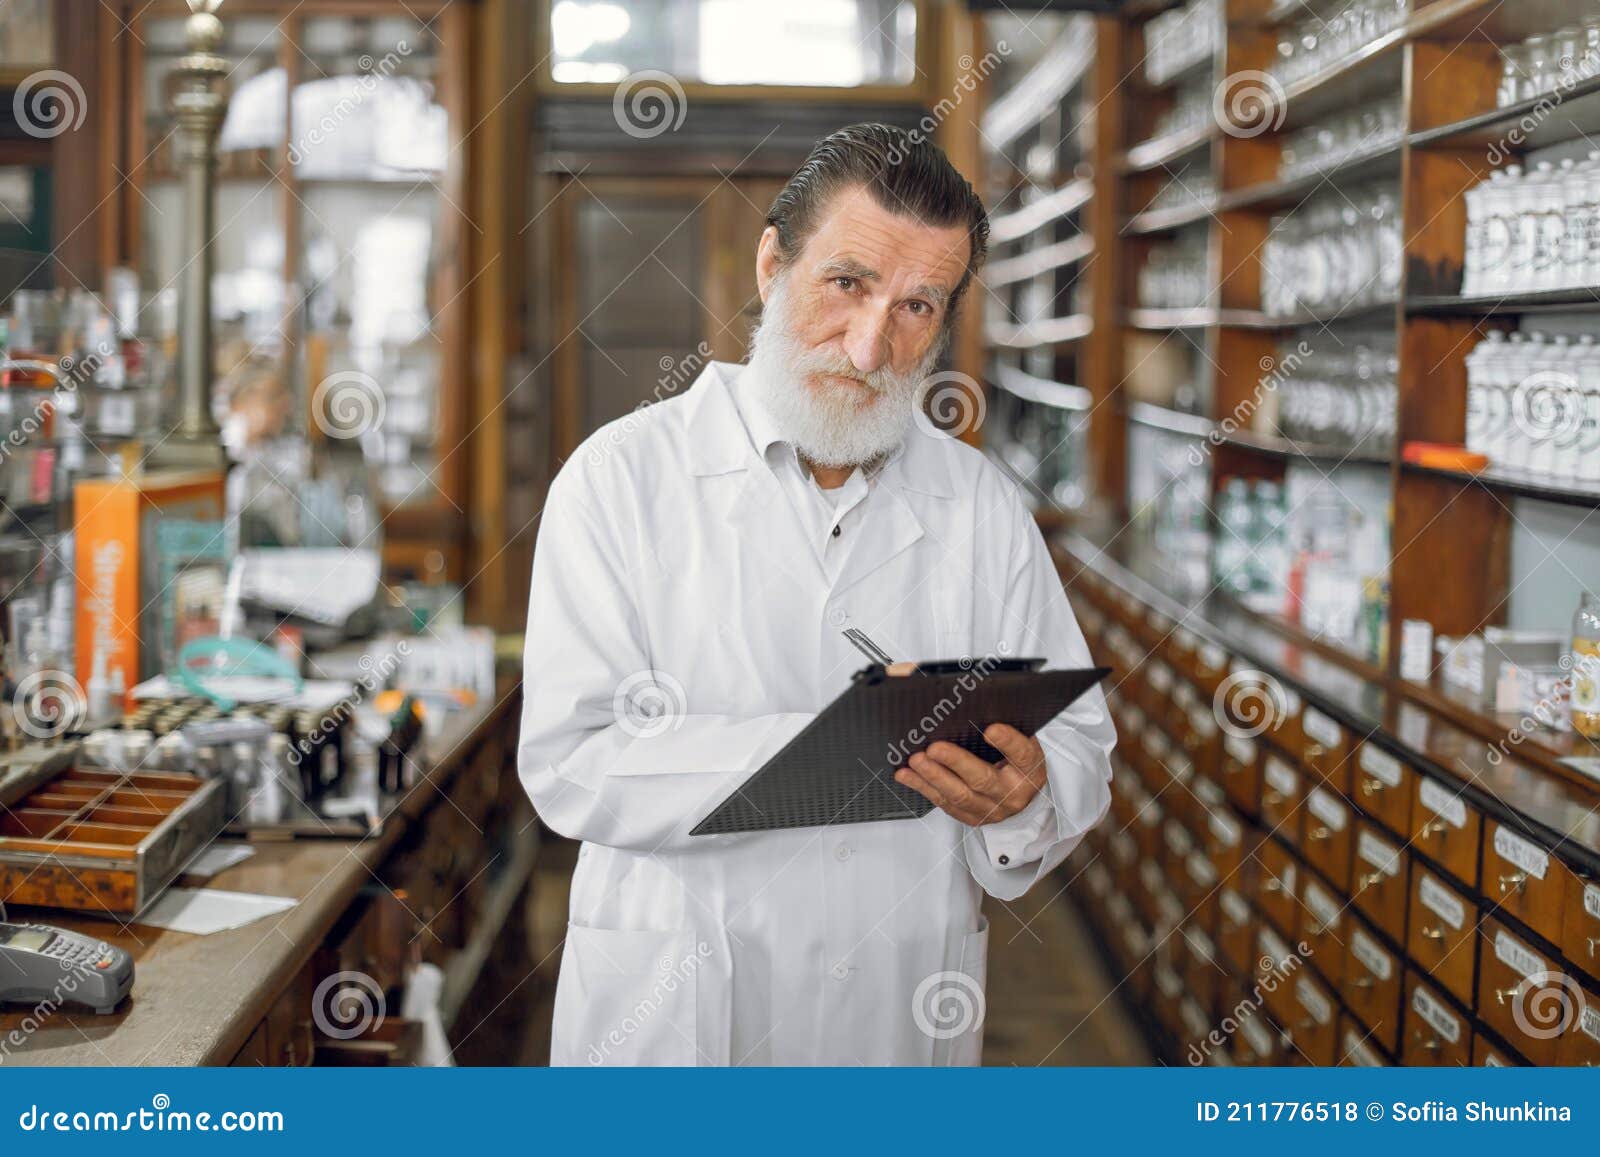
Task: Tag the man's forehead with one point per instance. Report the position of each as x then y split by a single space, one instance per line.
855 227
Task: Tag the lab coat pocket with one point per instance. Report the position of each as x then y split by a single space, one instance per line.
627 998
954 1006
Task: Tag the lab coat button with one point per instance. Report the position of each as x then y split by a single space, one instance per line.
840 971
838 618
835 532
841 853
1004 859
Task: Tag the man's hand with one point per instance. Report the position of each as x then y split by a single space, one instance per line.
973 790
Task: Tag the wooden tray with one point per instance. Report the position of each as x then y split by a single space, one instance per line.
102 841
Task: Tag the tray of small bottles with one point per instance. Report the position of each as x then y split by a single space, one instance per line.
101 841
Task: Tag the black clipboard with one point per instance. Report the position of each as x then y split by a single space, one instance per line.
840 769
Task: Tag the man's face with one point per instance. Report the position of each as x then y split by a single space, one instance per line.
853 325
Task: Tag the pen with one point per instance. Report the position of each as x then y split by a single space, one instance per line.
867 647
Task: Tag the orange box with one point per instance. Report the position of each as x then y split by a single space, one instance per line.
114 554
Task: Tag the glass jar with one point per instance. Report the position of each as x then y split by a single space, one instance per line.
1586 666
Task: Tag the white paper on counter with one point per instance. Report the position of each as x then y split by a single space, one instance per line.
217 858
202 911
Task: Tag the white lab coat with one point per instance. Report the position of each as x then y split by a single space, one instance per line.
668 555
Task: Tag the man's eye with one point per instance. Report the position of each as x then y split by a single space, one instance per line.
920 308
845 283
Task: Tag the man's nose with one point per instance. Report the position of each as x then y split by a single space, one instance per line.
868 342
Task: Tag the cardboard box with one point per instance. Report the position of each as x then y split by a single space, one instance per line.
115 556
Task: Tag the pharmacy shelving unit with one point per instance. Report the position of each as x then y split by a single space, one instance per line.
1428 854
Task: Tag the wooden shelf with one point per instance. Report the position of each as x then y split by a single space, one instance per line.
1162 220
1036 261
1045 332
1172 421
1580 300
1537 745
1041 391
1543 488
1061 67
1291 191
1288 448
1158 151
1538 123
1020 222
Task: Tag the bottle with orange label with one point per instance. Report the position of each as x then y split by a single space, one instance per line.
1586 666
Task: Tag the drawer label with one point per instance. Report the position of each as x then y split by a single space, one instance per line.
1169 982
1380 765
1492 1060
1233 906
1155 744
1160 676
1180 767
1240 748
1272 947
1150 815
1590 1020
1226 829
1322 905
1320 1008
1435 1015
1177 839
1203 723
1185 638
1357 1050
1516 955
1159 623
1381 855
1327 808
1171 911
1442 902
1256 1036
1591 900
1124 847
1371 955
1292 703
1200 870
1193 1019
1324 730
1150 873
1513 848
1200 944
1444 803
1280 776
1213 656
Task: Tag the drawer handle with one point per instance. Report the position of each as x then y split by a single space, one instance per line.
1315 751
1272 884
1318 833
1501 995
1433 1045
1513 883
1317 929
1363 982
1192 742
1306 1025
1369 879
1371 787
1432 933
1434 828
1593 942
1271 798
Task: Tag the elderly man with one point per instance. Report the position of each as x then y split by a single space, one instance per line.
696 565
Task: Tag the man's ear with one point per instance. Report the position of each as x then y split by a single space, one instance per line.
767 263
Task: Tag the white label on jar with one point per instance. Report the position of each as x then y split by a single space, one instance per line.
1438 899
1256 1036
1520 852
1380 765
1436 1015
1200 870
1241 749
1590 1021
1327 808
1381 855
1444 803
1226 829
1213 656
1357 1050
1281 777
1234 907
1516 956
1372 956
1313 1001
1322 905
1324 730
1160 676
1591 900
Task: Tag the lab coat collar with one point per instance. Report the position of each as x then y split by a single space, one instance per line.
720 443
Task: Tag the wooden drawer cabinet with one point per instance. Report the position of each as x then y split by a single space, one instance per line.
1383 788
1442 923
1372 986
1210 668
1522 996
1580 925
1314 1027
1435 1033
1202 739
1322 928
1286 730
1325 750
1525 880
1277 886
1224 836
1282 793
1329 828
1445 828
1241 773
1379 884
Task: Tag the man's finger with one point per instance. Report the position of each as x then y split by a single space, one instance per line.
1022 753
919 785
978 773
957 792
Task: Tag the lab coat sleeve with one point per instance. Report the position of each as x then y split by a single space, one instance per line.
1008 857
609 753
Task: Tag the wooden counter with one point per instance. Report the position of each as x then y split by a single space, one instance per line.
197 1000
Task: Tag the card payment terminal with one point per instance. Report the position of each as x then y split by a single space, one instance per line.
41 964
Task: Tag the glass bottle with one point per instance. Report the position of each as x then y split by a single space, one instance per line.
1586 666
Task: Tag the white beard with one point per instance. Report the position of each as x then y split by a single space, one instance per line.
829 422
